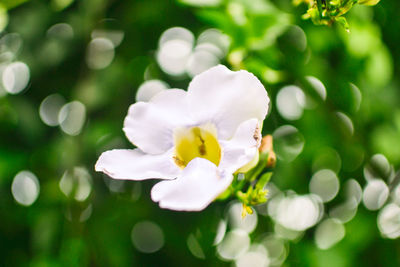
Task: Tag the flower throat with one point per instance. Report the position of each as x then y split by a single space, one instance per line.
196 142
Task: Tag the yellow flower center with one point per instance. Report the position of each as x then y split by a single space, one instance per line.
196 142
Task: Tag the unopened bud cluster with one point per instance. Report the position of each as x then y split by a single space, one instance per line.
258 177
249 185
325 12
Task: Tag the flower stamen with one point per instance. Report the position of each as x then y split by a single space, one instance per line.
196 142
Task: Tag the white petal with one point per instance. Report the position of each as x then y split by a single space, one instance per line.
198 185
149 125
242 148
133 164
227 99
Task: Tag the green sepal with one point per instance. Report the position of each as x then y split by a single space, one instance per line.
264 179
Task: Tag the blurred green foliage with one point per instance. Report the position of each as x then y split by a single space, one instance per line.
360 71
8 4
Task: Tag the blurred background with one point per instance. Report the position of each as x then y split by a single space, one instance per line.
70 69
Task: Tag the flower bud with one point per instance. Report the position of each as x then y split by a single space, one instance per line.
267 147
271 162
266 144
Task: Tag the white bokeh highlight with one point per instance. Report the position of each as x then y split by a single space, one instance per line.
25 188
236 221
147 237
256 256
325 184
100 53
290 102
328 233
15 77
71 118
150 88
296 212
76 183
389 221
318 86
234 244
175 48
49 109
288 142
375 194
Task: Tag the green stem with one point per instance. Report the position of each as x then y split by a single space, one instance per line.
319 6
257 170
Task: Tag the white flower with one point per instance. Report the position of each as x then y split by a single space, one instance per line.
195 140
